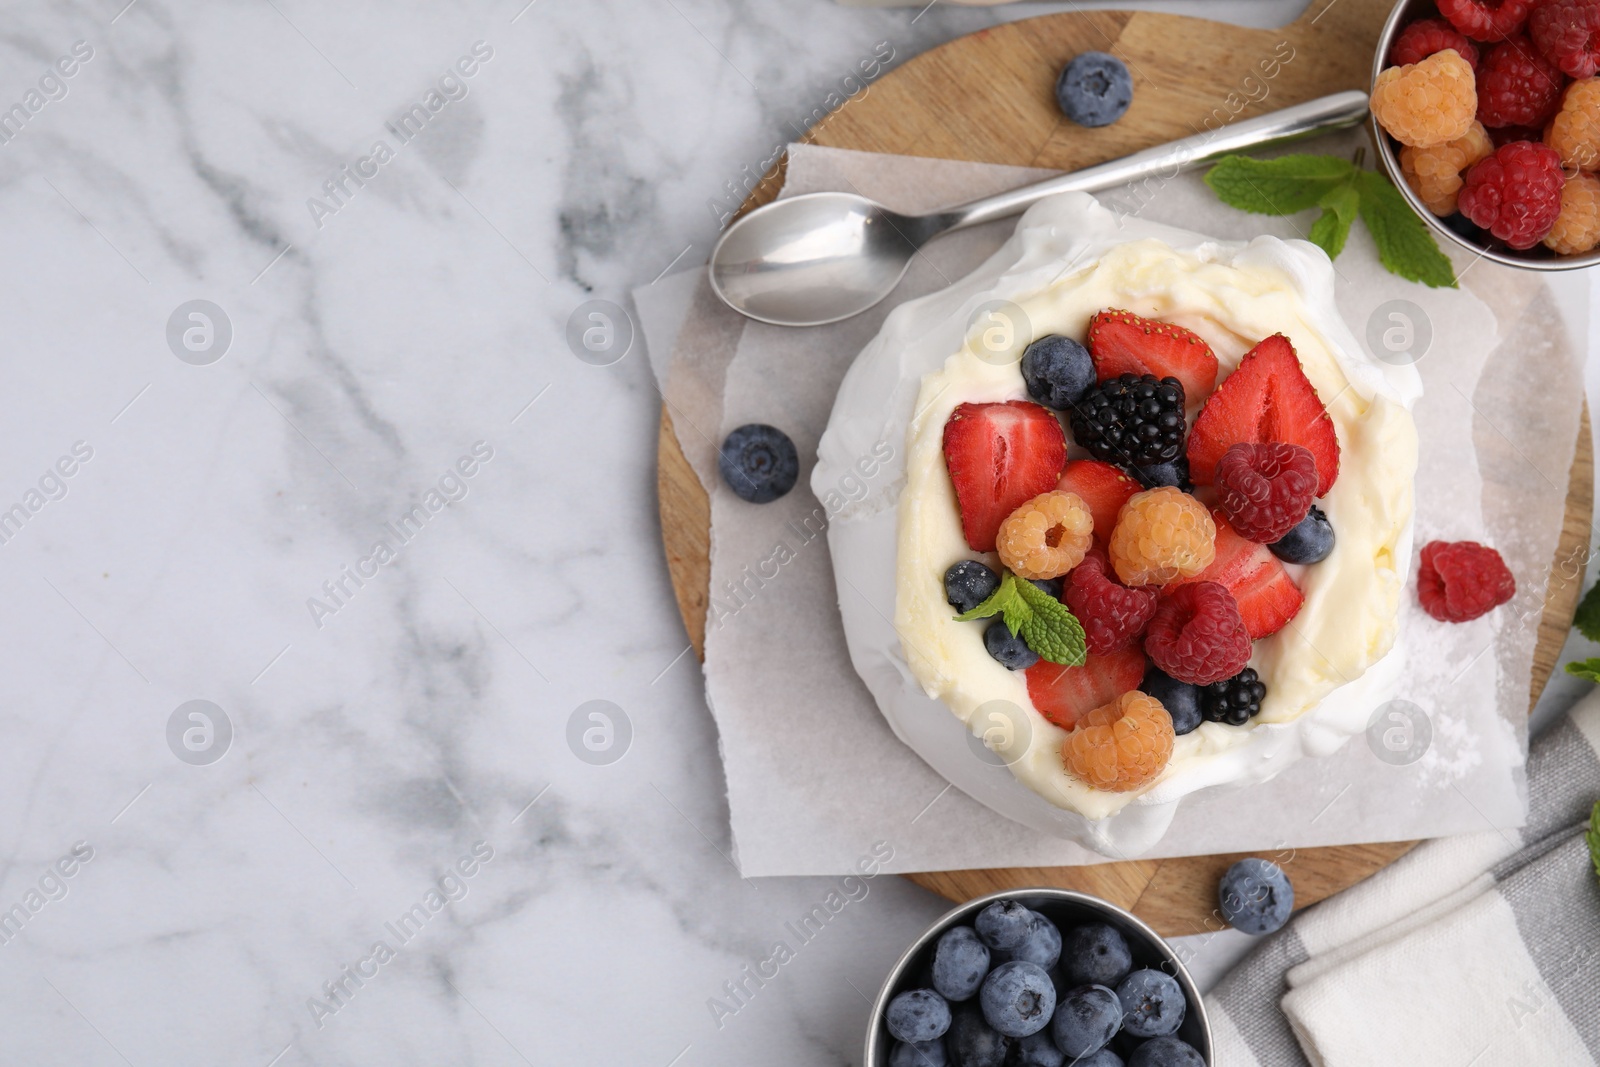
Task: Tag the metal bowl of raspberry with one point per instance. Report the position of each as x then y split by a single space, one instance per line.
1486 114
990 978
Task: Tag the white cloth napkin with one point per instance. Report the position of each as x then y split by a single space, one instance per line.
1481 949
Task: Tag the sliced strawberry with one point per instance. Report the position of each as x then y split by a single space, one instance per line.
1103 487
1121 342
1000 456
1267 596
1268 398
1065 694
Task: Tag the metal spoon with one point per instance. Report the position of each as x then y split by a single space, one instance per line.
821 257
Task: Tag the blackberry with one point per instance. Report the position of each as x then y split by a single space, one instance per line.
1135 420
1235 700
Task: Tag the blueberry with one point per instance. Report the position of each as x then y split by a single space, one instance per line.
969 583
759 463
917 1015
973 1042
1175 474
1309 542
1094 89
1152 1003
1095 954
1037 1050
1058 370
1104 1058
1086 1019
959 963
1004 924
1042 945
927 1054
1181 699
1017 998
1049 585
1166 1052
1012 651
1256 896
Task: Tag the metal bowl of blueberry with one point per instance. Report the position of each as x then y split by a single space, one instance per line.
1038 978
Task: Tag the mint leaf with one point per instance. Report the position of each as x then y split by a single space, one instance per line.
1587 617
1339 208
1593 837
1002 598
1279 186
1405 247
1051 630
1585 668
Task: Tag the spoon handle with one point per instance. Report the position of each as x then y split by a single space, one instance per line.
1144 172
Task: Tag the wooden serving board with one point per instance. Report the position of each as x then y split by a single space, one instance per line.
988 98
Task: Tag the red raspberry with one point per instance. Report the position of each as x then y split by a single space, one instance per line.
1517 86
1424 37
1197 635
1568 33
1113 615
1515 194
1461 580
1266 489
1486 20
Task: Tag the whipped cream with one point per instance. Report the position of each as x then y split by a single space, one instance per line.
1069 258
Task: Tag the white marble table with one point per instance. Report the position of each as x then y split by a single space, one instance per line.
367 506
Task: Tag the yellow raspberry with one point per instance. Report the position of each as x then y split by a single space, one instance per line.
1577 228
1575 131
1428 103
1162 535
1435 173
1121 745
1047 536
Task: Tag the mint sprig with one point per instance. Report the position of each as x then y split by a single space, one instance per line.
1592 836
1587 618
1043 622
1294 183
1585 668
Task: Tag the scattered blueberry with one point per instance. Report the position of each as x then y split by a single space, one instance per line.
1094 89
1012 651
1152 1003
1017 998
927 1054
1049 585
959 963
759 462
969 583
1042 945
972 1042
1166 1052
1309 542
1086 1019
1003 925
1175 474
1057 370
1037 1050
1095 954
1256 896
1181 699
1104 1058
917 1015
1235 700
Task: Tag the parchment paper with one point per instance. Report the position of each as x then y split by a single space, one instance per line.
814 773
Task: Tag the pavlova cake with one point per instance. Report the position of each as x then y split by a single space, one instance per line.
1146 527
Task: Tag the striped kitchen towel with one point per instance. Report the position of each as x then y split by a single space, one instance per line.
1482 949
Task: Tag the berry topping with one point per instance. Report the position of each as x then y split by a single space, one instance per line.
1517 86
1094 89
1265 489
1435 173
1268 398
1424 37
1113 616
1153 1004
1086 1019
759 463
1266 595
1163 535
959 963
1197 635
1235 700
1064 695
1577 228
1047 536
1057 370
969 583
1000 456
1017 998
1009 648
1426 103
1255 895
1101 486
1568 33
917 1015
1123 343
1486 20
1122 745
1462 580
1575 131
1132 420
1095 954
1310 542
1181 699
1515 194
